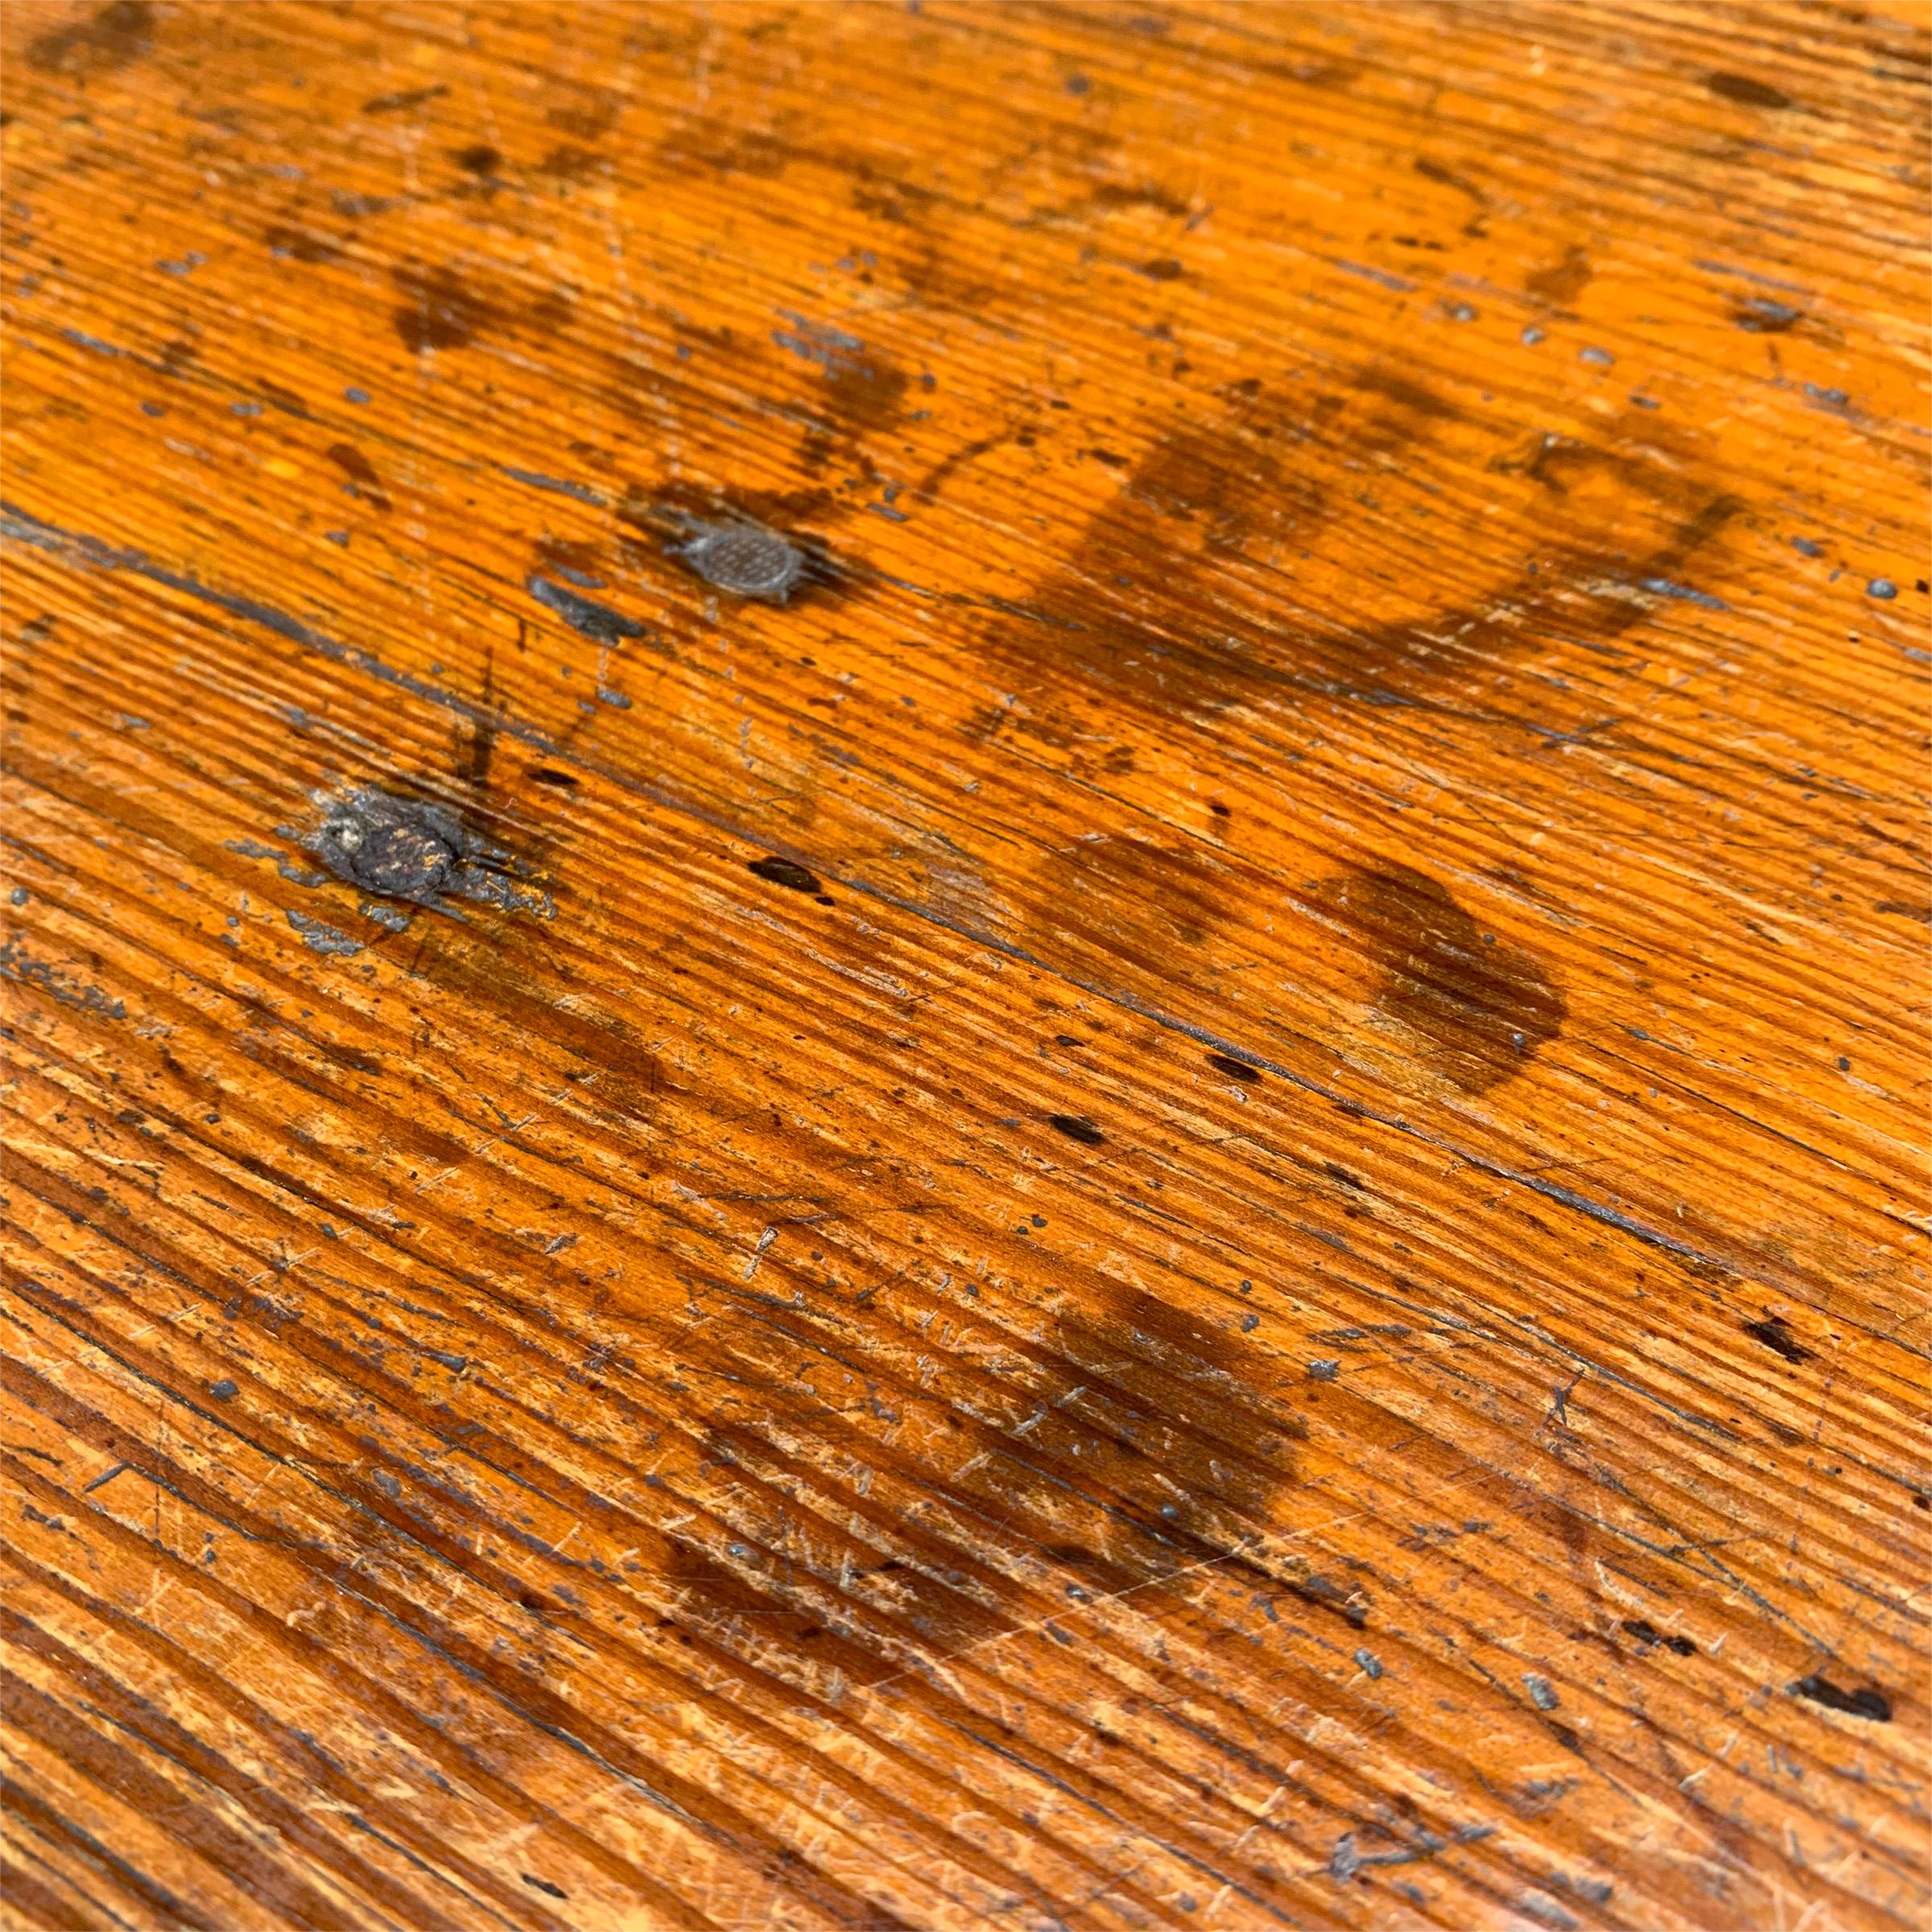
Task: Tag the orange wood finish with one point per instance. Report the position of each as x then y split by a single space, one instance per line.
965 966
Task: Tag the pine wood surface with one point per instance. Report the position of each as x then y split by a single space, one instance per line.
964 966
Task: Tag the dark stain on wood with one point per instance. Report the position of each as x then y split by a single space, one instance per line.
1746 91
1234 1069
788 873
1870 1703
302 244
1775 1333
1121 898
1560 283
119 34
1647 1633
1165 603
1476 1004
438 309
360 472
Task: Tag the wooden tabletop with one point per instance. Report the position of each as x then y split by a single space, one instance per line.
965 966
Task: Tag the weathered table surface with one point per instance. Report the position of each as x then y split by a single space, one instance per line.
965 966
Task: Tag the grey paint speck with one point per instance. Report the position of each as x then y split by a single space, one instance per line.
1543 1692
1597 358
1882 588
319 937
1548 1911
1761 316
561 486
1663 586
832 348
597 621
1397 283
254 848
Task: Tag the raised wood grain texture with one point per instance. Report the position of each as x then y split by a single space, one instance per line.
1192 1200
